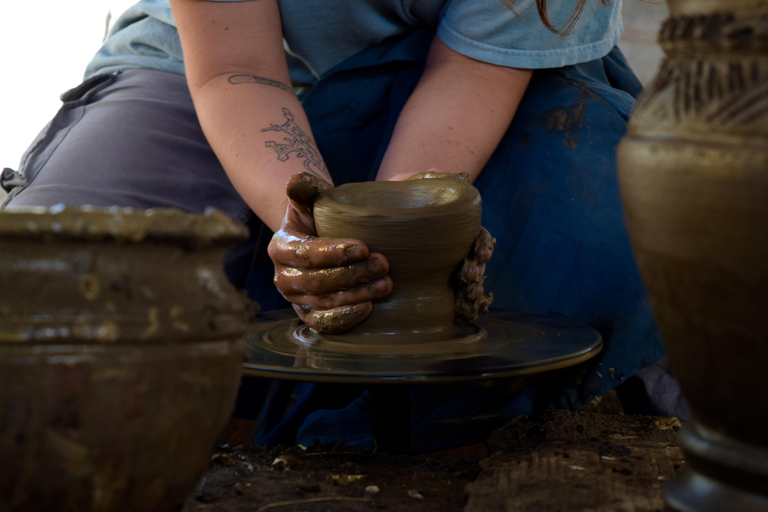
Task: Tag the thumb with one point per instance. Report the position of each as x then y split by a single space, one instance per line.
302 188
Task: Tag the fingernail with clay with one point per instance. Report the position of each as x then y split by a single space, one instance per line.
353 252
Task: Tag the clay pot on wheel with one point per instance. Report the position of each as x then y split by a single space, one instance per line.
694 180
120 356
425 228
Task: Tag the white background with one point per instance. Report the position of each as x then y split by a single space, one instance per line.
44 48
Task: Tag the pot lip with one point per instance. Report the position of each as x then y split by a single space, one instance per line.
123 224
467 196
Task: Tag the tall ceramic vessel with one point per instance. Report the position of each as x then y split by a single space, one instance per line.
694 180
120 356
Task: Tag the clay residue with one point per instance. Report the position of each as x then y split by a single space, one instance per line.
117 276
123 224
338 320
568 122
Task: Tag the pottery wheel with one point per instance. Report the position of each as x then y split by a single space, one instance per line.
499 344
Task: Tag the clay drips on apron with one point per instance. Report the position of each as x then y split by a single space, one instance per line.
425 228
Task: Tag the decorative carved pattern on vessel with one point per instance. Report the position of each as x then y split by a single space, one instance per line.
714 79
694 182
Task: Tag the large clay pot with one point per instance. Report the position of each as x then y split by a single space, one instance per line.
425 228
120 356
694 180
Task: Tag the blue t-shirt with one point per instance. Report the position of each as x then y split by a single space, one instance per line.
322 33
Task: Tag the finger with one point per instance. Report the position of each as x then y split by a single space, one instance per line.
326 280
473 290
299 218
483 304
484 245
467 309
336 320
303 187
471 271
376 289
312 252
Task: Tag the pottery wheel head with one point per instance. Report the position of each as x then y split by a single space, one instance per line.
501 344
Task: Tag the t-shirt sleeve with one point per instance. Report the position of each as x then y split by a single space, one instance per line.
491 32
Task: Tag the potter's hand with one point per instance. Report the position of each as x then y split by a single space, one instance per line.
470 299
330 281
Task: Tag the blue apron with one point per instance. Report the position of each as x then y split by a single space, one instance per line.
551 199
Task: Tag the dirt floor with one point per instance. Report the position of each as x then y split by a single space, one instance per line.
319 479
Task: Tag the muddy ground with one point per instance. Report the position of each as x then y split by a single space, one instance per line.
257 478
319 479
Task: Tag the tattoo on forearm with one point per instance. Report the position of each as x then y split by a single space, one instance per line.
299 143
251 79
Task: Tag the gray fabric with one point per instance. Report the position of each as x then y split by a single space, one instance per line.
663 391
125 139
654 391
131 139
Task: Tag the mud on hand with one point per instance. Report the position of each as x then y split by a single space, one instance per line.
331 282
470 299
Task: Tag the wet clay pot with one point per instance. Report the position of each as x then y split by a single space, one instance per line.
425 228
694 180
120 356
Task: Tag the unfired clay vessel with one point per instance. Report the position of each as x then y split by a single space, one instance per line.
694 180
120 356
425 228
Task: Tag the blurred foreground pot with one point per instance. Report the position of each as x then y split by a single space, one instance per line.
120 356
694 180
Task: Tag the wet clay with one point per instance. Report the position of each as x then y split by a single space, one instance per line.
425 228
120 355
119 275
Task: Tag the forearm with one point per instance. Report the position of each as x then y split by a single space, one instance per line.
261 136
239 81
455 117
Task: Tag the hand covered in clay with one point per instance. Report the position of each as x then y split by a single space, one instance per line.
470 299
330 281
